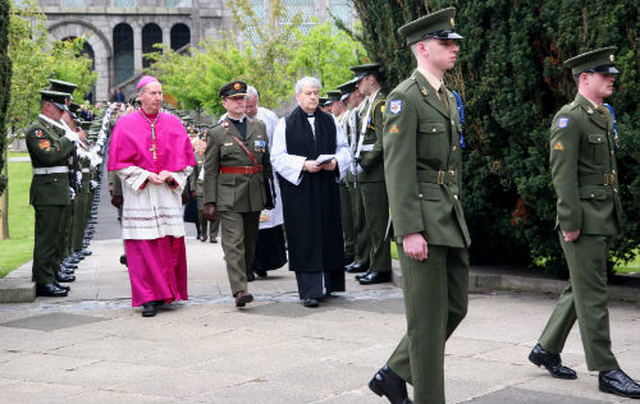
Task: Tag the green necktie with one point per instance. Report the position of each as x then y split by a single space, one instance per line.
443 97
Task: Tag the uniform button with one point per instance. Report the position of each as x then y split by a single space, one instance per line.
452 173
454 148
453 123
592 196
434 130
613 171
615 190
455 197
420 196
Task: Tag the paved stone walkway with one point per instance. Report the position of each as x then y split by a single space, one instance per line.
92 347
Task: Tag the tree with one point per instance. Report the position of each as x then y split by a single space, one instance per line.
326 53
5 92
33 61
278 55
36 59
512 81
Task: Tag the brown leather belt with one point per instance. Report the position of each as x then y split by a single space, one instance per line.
241 169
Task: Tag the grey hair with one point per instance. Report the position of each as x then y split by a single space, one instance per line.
307 81
252 92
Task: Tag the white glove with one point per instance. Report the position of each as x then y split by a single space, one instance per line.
94 184
79 177
72 193
355 169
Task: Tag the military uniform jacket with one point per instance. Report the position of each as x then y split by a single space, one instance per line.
422 162
583 169
48 148
371 158
236 192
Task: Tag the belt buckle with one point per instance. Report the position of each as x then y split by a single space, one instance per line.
440 179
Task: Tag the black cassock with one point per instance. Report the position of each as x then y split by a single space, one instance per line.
312 209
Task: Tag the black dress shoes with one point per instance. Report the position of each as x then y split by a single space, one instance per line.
242 298
69 264
311 303
49 290
617 382
62 277
66 270
149 309
364 274
251 276
355 267
375 277
387 383
551 362
61 286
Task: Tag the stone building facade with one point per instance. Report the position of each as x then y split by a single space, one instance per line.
119 32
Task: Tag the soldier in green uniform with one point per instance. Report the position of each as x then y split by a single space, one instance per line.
50 146
236 165
422 159
370 171
352 209
585 178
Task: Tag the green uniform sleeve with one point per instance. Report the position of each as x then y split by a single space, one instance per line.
399 147
211 167
564 150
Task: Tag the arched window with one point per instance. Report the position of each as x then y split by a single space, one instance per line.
151 35
123 52
180 36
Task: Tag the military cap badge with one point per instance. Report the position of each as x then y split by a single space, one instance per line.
237 86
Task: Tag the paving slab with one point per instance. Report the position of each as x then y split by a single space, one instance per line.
93 347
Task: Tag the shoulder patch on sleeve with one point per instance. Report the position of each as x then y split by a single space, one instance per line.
563 122
395 106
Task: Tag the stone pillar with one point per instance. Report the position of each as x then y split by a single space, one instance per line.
137 47
166 33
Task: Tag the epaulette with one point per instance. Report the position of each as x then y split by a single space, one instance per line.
375 106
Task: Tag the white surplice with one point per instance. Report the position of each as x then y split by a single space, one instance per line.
151 211
289 166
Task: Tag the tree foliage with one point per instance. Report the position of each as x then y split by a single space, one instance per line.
36 59
512 81
5 83
277 55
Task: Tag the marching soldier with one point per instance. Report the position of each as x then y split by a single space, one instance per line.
50 144
353 219
370 169
422 159
237 165
583 169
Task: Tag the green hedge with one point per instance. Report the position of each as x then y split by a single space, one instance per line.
511 79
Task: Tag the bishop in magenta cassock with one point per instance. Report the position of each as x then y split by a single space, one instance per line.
151 153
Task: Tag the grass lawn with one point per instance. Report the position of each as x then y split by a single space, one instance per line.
628 267
19 248
16 154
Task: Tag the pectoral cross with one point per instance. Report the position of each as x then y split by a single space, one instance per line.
153 133
153 140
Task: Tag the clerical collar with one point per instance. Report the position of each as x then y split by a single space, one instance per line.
240 120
